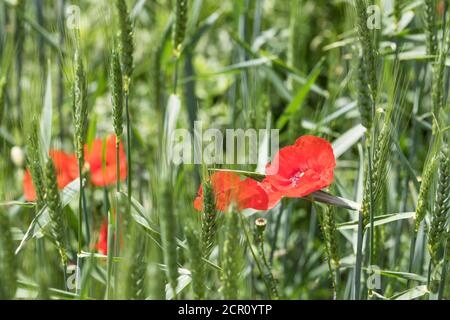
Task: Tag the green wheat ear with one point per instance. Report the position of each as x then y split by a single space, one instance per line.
379 168
179 30
209 219
364 99
431 26
438 89
80 107
441 206
196 262
53 200
117 94
125 42
368 48
330 235
35 163
422 199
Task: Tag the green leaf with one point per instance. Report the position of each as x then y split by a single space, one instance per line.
379 220
43 218
400 275
184 279
47 114
411 294
300 97
99 256
324 197
33 288
92 129
138 214
254 175
348 140
248 64
170 124
18 203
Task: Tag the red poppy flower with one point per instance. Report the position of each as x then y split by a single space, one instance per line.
66 171
274 195
105 175
228 188
303 168
441 7
102 244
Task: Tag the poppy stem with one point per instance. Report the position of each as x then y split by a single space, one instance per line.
255 257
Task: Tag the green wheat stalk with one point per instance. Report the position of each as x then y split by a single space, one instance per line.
19 38
2 97
136 266
232 253
8 264
168 232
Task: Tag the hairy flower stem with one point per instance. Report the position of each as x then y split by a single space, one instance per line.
254 255
260 226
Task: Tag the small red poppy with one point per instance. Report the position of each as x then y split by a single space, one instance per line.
66 171
102 244
228 188
303 168
105 175
441 7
